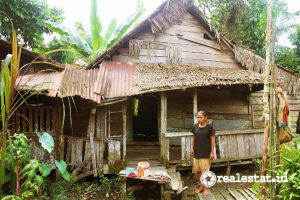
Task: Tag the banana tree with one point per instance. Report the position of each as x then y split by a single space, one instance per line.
90 46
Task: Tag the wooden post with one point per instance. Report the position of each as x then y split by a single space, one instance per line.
164 142
58 133
267 85
124 114
195 105
123 186
91 133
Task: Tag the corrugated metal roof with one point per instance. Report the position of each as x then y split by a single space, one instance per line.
71 81
115 79
81 82
42 81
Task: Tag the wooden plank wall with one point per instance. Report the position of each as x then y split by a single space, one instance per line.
228 109
30 120
256 101
186 36
103 146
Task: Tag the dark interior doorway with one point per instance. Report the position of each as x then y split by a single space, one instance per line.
145 124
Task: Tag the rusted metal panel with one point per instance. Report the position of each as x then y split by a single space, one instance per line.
115 79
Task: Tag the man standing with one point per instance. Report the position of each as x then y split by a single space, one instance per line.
202 148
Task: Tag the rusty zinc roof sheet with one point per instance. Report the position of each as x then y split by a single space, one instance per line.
115 79
79 82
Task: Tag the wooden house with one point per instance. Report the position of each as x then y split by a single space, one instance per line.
138 100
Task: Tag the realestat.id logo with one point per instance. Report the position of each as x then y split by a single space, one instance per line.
208 179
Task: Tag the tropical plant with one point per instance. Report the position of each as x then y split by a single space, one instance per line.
290 167
29 16
90 46
8 76
29 175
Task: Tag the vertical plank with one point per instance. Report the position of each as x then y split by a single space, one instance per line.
241 146
30 118
78 159
24 120
102 136
42 126
111 152
105 122
58 135
68 152
247 144
91 132
252 144
48 119
73 153
87 156
188 142
221 146
164 152
252 116
195 105
62 153
183 151
117 153
124 113
17 120
98 135
36 119
108 121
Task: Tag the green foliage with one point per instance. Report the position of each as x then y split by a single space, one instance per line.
295 39
29 16
29 175
109 183
246 21
288 58
88 46
8 75
290 166
62 168
57 50
46 141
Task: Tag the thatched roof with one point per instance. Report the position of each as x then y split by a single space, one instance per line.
289 80
158 77
117 79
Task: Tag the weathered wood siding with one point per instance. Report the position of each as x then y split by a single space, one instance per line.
228 109
189 42
101 148
256 100
29 120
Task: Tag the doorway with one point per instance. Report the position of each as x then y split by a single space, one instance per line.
144 121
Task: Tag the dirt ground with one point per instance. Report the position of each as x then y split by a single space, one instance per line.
91 189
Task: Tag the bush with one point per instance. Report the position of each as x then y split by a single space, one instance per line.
289 166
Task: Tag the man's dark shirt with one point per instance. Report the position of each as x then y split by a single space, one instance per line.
202 148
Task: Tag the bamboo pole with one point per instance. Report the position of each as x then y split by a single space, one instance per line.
266 96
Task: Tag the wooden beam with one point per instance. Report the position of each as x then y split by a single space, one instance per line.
124 114
218 133
91 132
164 142
195 105
202 41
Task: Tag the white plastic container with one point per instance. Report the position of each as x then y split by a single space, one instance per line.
143 169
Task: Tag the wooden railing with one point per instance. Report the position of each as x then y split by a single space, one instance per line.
230 145
77 152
